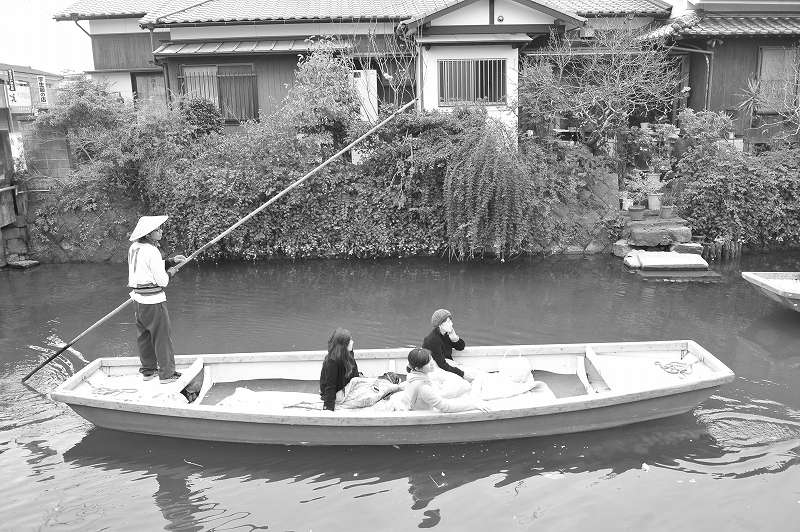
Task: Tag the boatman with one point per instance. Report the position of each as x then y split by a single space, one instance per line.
147 276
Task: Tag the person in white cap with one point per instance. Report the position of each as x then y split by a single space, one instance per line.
442 340
147 276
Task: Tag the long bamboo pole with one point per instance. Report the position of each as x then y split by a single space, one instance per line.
230 229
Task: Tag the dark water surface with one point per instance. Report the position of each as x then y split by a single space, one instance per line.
732 464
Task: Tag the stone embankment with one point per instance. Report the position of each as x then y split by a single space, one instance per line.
656 234
661 249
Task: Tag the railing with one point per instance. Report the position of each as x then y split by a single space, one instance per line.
471 80
234 93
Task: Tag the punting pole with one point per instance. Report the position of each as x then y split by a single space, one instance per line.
232 228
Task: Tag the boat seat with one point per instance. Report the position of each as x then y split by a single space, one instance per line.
186 377
596 361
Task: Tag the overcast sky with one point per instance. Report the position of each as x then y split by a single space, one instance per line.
30 37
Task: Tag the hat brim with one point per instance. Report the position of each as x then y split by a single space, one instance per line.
146 225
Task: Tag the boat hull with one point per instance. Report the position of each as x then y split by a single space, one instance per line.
777 286
635 389
258 431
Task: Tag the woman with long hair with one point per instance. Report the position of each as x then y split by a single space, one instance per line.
338 369
420 394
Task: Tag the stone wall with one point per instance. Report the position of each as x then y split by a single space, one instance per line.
48 154
96 235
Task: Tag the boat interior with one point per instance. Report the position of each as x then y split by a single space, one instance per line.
281 379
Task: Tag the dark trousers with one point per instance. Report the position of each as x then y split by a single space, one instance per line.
155 339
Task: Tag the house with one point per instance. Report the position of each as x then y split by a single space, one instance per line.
24 91
730 44
243 55
122 50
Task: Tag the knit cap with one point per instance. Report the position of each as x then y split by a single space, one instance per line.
439 316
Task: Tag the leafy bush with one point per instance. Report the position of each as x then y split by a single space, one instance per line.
426 183
324 99
202 116
746 198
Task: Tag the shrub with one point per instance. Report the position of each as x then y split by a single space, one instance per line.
752 199
202 117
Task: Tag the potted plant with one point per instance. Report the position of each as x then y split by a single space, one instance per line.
654 195
660 150
636 188
667 203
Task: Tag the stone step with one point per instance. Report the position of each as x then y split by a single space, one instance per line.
22 264
664 260
655 231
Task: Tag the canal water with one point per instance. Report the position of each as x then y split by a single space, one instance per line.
731 464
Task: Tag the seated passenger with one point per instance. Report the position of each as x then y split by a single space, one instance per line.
338 369
419 394
442 340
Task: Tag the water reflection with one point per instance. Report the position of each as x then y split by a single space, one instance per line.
778 334
430 471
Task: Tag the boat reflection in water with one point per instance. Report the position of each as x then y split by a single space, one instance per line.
777 333
194 478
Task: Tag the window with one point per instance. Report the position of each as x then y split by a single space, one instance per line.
778 76
472 80
231 87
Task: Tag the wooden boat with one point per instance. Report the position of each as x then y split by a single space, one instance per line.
588 387
783 287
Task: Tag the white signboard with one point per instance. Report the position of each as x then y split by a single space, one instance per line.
20 100
41 85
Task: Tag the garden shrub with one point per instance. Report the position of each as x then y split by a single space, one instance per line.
427 183
202 117
736 196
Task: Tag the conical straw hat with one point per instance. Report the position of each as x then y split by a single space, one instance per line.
146 225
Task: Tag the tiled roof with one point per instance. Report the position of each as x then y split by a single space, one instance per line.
256 10
191 11
87 9
26 70
744 25
595 8
674 26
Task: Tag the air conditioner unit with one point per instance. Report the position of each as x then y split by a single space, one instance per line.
586 32
366 85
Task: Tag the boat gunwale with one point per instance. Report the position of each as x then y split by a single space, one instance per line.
762 280
722 375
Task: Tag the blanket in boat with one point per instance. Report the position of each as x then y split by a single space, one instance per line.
497 391
361 392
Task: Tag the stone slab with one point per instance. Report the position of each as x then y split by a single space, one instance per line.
687 247
665 260
667 276
23 264
656 234
651 219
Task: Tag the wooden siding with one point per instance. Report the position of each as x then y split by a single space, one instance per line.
275 75
735 61
125 51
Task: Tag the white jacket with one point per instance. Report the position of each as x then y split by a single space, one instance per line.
146 268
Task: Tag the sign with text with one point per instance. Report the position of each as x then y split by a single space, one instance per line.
42 88
20 100
12 84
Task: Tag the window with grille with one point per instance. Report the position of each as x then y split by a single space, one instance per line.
778 75
230 87
472 80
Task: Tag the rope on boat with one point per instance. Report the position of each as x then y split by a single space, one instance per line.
682 369
102 390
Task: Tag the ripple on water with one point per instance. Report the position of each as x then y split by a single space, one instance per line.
735 429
